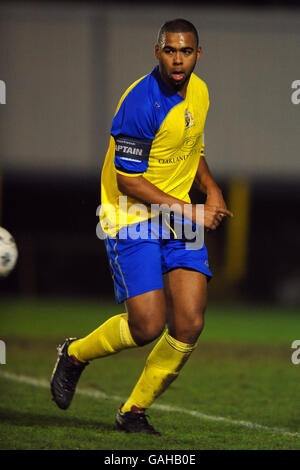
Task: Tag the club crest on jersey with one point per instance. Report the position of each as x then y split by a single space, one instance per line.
189 121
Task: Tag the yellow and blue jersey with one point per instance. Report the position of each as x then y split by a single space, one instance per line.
158 134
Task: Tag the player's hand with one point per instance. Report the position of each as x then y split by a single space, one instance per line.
213 216
215 209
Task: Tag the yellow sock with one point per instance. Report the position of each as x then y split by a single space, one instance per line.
110 338
162 367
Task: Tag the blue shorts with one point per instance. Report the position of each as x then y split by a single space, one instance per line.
137 264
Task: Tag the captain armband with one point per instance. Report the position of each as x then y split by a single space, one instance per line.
132 154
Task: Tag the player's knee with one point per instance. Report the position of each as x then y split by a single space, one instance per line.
190 328
193 331
147 332
196 322
198 325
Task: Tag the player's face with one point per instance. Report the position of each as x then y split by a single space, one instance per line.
177 55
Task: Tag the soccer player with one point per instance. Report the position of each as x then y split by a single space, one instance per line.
155 154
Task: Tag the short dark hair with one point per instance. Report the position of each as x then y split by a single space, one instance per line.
178 25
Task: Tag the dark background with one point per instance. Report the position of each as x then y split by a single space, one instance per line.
49 198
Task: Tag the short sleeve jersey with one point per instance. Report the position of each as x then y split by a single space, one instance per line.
155 133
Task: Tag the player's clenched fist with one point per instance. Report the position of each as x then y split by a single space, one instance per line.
213 216
209 215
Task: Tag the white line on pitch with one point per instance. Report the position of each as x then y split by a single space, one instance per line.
42 383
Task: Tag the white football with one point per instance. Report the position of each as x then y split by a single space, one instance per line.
8 252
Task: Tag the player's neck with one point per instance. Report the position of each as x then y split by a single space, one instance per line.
183 91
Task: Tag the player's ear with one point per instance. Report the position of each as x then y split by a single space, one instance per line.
199 52
156 51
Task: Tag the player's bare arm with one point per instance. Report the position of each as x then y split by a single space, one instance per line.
141 189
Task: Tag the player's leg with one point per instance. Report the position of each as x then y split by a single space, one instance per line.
136 270
186 301
186 292
137 274
137 327
146 316
185 284
140 326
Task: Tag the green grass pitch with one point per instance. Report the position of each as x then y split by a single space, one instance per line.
241 371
